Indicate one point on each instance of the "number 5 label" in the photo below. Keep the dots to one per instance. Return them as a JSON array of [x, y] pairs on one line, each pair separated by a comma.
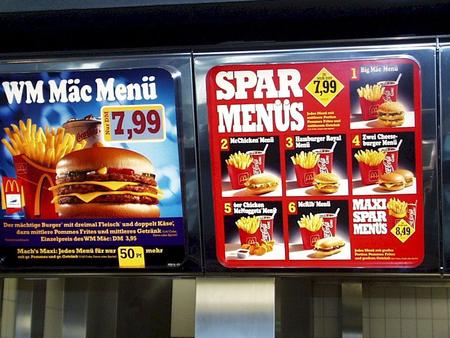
[[134, 123]]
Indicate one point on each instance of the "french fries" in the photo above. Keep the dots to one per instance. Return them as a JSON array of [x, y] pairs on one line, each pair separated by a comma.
[[45, 147], [306, 160], [248, 224], [370, 157], [371, 92], [239, 160], [397, 208], [310, 222]]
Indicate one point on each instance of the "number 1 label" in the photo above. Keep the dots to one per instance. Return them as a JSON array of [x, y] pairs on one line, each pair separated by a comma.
[[134, 123]]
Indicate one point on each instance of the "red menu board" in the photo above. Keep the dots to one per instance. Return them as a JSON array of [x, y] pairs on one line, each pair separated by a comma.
[[318, 164]]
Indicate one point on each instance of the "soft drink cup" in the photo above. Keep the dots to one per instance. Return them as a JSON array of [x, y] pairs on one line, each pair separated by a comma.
[[258, 163], [390, 162], [369, 109], [370, 174], [305, 177], [309, 238], [266, 227], [238, 177], [325, 163], [390, 90], [329, 224], [411, 214], [88, 128]]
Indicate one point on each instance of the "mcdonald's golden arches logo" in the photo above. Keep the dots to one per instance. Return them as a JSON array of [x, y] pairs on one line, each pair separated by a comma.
[[13, 199]]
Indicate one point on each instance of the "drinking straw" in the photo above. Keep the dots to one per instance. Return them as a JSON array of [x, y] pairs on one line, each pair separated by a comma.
[[265, 148], [399, 144], [334, 145], [398, 78]]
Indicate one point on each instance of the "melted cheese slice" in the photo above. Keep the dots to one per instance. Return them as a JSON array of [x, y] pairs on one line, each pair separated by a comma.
[[391, 185], [324, 185], [111, 185], [263, 185], [88, 197]]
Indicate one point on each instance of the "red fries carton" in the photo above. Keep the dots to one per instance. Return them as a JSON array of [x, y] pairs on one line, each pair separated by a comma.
[[36, 181]]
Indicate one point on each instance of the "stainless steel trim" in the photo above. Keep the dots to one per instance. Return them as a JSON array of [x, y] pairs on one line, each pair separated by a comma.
[[24, 309], [294, 307], [75, 308], [38, 308], [102, 308], [9, 304], [54, 297], [183, 308], [234, 308], [351, 309], [402, 44], [143, 307]]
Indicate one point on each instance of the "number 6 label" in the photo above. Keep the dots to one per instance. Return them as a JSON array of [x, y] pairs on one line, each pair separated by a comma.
[[134, 123]]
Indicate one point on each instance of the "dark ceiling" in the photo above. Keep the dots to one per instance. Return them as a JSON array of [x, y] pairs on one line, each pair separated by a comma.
[[198, 24]]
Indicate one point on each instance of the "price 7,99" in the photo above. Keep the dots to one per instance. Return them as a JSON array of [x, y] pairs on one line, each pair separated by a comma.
[[133, 123], [325, 86], [150, 122]]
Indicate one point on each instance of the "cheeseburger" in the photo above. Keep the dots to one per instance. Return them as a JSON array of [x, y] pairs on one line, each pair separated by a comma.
[[105, 182], [262, 183], [326, 182], [391, 114], [407, 175], [392, 182]]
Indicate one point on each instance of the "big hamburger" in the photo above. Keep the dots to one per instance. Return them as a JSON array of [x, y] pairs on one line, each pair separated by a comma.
[[327, 183], [105, 182], [391, 114], [392, 182]]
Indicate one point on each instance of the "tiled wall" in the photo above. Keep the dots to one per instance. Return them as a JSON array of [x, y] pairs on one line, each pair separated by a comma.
[[389, 311], [327, 302], [405, 312]]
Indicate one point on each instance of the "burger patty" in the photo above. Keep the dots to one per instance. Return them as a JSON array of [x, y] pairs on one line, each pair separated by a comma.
[[326, 185], [391, 116], [79, 176], [86, 188], [125, 198]]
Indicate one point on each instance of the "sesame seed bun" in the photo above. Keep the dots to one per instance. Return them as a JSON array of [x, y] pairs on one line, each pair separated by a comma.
[[392, 182], [407, 175], [326, 182], [391, 114], [262, 183]]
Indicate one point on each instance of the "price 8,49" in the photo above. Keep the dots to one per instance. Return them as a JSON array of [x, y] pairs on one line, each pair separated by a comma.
[[134, 123]]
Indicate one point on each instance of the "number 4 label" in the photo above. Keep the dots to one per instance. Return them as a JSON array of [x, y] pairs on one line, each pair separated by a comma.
[[356, 141], [135, 123]]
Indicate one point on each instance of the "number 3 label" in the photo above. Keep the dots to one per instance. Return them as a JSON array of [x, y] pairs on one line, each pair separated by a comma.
[[134, 123]]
